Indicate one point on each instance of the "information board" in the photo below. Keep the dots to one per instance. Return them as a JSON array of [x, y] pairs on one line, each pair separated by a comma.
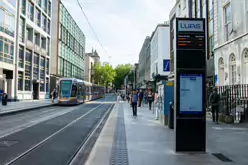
[[191, 41], [191, 93]]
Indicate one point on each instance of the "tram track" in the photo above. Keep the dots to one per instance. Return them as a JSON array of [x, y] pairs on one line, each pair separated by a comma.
[[80, 126]]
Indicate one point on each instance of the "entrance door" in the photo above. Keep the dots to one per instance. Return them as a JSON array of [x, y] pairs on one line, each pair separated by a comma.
[[36, 91]]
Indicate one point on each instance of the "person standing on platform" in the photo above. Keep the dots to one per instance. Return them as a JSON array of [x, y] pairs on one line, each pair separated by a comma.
[[214, 101], [141, 96], [150, 99], [134, 100]]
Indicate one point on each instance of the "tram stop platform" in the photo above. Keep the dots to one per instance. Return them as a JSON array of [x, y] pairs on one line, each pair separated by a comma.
[[142, 140]]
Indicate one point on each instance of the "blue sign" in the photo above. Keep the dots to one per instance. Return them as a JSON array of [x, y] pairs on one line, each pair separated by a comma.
[[166, 67]]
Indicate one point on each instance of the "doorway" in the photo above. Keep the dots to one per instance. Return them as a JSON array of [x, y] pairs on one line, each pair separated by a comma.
[[36, 91]]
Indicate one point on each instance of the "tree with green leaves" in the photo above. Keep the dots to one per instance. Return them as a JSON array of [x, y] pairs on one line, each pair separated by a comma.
[[122, 71], [103, 74]]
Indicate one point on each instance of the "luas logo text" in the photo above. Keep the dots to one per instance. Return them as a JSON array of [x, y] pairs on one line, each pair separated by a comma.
[[190, 26]]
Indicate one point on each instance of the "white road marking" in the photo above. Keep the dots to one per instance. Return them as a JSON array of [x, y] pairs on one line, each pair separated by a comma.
[[49, 137]]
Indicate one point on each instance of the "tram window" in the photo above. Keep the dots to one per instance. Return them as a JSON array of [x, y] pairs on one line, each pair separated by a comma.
[[74, 90]]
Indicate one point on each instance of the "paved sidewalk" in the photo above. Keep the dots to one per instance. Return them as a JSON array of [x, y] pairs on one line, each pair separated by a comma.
[[14, 107], [142, 140]]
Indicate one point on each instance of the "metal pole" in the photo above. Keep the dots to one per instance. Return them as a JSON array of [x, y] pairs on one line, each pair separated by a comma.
[[16, 49], [190, 8], [200, 8], [195, 8], [207, 27]]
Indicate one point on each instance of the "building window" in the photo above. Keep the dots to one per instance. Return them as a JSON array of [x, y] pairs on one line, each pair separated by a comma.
[[44, 5], [47, 86], [48, 26], [49, 9], [23, 6], [233, 70], [48, 46], [43, 22], [28, 64], [37, 39], [42, 74], [36, 67], [6, 50], [20, 81], [29, 34], [30, 13], [227, 13], [22, 28], [47, 66], [21, 57], [37, 17], [38, 2], [43, 43]]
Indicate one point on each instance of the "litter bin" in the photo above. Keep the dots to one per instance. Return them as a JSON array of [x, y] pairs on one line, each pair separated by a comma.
[[171, 116], [4, 99]]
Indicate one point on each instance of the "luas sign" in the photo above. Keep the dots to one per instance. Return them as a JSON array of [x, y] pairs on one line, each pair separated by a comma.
[[190, 25]]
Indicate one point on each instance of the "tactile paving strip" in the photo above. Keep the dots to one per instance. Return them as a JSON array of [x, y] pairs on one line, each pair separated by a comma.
[[119, 155]]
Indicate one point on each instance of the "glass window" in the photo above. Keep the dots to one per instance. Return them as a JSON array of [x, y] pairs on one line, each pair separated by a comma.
[[47, 66], [23, 6], [36, 67], [43, 23], [227, 12], [44, 5], [74, 90], [49, 8], [21, 56], [30, 11], [65, 88], [28, 64], [48, 26], [21, 36], [20, 81], [48, 46], [37, 17], [6, 48], [1, 45], [38, 2]]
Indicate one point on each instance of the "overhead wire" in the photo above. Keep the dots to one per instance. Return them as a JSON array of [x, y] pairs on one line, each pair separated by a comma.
[[92, 29]]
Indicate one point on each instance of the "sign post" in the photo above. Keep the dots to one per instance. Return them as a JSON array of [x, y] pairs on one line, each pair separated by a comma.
[[189, 87]]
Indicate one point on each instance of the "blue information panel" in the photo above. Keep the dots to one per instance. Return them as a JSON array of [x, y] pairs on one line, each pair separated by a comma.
[[191, 94]]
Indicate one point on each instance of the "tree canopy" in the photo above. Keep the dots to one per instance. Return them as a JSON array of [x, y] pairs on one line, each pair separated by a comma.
[[122, 71], [103, 73]]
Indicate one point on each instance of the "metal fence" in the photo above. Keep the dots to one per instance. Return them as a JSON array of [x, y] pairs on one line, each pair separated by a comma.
[[234, 101]]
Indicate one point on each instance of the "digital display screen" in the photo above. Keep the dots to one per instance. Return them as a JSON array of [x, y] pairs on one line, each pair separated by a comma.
[[191, 86], [191, 41]]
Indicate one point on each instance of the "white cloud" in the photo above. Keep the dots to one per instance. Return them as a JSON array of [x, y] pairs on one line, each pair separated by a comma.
[[121, 25]]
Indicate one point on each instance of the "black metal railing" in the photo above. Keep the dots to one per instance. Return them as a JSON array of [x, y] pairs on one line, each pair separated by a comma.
[[234, 101]]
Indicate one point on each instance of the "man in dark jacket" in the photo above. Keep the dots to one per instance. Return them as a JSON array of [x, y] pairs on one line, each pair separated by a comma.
[[214, 101], [134, 100], [141, 96]]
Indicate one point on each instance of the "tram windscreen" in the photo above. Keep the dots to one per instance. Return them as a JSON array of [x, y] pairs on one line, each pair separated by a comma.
[[65, 88]]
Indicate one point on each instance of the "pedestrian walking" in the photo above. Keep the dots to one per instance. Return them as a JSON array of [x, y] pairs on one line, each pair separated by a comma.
[[53, 95], [150, 99], [134, 100], [214, 101], [156, 104], [141, 96]]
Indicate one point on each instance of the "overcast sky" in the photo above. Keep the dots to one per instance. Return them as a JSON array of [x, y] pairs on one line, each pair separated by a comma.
[[121, 25]]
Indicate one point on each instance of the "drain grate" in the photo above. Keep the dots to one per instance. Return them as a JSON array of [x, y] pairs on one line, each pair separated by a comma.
[[119, 155], [7, 143], [222, 157]]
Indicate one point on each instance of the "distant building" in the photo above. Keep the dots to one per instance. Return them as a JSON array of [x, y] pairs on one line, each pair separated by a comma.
[[91, 59], [94, 55], [231, 42], [193, 9], [68, 45], [136, 75], [144, 62], [160, 50], [7, 44], [33, 47]]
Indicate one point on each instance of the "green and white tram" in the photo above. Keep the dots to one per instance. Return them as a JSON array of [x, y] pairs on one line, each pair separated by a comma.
[[74, 91]]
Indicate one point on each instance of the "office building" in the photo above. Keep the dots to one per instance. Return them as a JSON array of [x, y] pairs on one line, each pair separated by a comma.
[[231, 42], [160, 50], [33, 49], [194, 9], [91, 59], [144, 63], [68, 48], [7, 40]]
